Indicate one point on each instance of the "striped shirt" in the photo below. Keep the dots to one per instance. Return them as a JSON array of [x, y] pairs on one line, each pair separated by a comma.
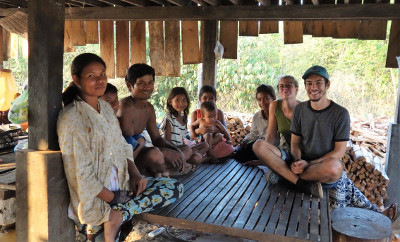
[[178, 131]]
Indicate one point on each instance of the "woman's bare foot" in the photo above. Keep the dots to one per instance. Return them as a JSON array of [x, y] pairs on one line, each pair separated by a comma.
[[111, 228]]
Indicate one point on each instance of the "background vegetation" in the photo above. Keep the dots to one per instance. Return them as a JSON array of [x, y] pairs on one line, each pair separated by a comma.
[[359, 79]]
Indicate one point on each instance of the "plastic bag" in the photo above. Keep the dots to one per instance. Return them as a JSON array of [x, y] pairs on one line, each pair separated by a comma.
[[19, 109], [219, 50]]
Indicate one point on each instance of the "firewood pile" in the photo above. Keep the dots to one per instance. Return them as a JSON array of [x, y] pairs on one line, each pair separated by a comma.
[[237, 129], [364, 160]]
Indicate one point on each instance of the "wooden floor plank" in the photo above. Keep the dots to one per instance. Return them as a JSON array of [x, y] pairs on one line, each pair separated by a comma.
[[265, 197], [285, 214], [295, 215], [229, 197], [224, 207], [192, 185], [304, 218], [233, 215], [204, 191], [314, 226], [206, 204], [251, 204], [325, 220], [230, 188], [267, 210], [273, 221]]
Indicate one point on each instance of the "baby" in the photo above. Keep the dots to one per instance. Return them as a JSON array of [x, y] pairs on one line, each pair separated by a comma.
[[215, 135]]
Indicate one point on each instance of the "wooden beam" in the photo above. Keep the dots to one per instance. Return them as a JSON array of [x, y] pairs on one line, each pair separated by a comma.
[[397, 113], [177, 2], [107, 46], [91, 2], [138, 42], [394, 45], [1, 46], [288, 12], [209, 66], [45, 65], [138, 3], [122, 48]]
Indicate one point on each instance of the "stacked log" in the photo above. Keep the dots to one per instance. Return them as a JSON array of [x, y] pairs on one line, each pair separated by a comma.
[[236, 129], [365, 158]]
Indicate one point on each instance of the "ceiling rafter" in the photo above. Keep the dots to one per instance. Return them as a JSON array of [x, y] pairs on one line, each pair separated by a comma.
[[138, 3], [93, 3], [115, 3], [15, 3]]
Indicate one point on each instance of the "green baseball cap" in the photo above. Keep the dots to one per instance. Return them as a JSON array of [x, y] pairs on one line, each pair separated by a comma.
[[319, 70]]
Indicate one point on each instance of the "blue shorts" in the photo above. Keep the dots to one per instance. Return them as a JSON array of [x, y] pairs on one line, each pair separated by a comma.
[[133, 140]]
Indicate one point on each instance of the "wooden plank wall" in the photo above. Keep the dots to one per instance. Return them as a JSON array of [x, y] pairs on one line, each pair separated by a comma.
[[68, 46], [92, 32], [172, 51], [138, 42], [394, 45], [190, 42], [107, 46], [122, 48], [78, 36], [228, 37], [156, 42]]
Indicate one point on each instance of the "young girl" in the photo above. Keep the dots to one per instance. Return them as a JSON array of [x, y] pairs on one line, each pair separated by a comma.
[[174, 124], [207, 93], [265, 95], [215, 135]]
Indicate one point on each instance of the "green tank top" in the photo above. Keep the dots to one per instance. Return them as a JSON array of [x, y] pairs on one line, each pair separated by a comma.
[[283, 123]]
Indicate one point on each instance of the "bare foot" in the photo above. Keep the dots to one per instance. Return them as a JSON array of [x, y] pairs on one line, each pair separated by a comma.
[[196, 158], [391, 212]]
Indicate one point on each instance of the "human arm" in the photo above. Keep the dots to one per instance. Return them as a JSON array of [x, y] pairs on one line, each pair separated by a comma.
[[253, 134], [272, 136], [221, 117], [224, 131], [192, 129], [136, 180]]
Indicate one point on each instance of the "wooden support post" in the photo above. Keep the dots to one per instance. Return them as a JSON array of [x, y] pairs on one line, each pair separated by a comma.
[[209, 66], [42, 197], [393, 152], [46, 43]]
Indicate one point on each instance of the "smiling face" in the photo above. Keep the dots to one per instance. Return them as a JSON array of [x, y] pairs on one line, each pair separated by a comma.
[[143, 87], [264, 100], [287, 88], [316, 87], [179, 102], [92, 81]]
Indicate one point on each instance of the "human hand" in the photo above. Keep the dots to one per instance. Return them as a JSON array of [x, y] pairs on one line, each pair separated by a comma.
[[174, 159], [298, 166], [138, 184], [120, 196]]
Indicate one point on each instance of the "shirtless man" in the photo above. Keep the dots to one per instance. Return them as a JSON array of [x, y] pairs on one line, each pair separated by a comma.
[[136, 114]]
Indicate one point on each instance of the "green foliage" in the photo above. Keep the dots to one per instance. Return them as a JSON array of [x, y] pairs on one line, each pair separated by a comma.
[[359, 79]]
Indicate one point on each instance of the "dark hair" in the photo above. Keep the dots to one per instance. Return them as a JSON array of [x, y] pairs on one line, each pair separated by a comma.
[[138, 70], [208, 106], [83, 60], [78, 64], [110, 89], [295, 82], [176, 91], [267, 89], [207, 88]]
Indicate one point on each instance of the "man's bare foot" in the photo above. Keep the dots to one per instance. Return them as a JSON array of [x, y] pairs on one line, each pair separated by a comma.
[[196, 158]]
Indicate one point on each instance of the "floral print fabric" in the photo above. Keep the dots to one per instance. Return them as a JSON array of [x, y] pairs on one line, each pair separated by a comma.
[[160, 192]]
